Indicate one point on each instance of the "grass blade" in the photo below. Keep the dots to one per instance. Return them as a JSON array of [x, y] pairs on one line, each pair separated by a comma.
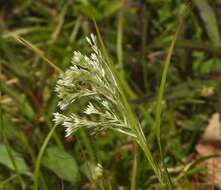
[[163, 85], [158, 116]]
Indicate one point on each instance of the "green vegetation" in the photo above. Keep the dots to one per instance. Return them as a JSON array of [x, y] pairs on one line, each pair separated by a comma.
[[165, 58]]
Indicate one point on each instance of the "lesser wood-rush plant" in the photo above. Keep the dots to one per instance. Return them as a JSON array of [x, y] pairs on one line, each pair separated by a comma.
[[90, 78]]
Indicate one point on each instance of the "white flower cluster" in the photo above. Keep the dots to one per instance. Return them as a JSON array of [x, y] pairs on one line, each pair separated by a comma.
[[90, 78]]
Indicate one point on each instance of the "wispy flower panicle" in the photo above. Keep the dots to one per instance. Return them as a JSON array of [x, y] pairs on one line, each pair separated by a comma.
[[90, 78]]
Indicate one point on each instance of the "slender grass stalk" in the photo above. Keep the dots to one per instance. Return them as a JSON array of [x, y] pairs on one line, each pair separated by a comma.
[[55, 136], [39, 158], [37, 51], [133, 185], [120, 41]]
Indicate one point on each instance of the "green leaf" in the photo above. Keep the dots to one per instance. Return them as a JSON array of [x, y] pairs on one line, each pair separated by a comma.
[[62, 164], [210, 21], [6, 161]]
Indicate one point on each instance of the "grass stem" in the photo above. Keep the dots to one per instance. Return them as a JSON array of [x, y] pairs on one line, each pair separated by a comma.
[[39, 158]]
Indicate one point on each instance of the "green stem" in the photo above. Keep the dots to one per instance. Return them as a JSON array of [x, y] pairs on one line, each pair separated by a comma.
[[39, 158], [120, 41], [134, 170]]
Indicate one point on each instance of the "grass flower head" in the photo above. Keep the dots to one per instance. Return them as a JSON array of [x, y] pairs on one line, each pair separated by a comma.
[[90, 78]]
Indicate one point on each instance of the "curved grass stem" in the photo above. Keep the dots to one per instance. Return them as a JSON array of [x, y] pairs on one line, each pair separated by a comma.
[[39, 158]]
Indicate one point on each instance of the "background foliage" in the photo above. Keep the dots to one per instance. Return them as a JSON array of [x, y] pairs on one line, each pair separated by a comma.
[[137, 35]]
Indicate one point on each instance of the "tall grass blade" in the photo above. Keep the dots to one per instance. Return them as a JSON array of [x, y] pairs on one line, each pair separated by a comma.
[[161, 94]]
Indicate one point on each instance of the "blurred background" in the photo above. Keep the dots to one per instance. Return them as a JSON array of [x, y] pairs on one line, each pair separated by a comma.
[[37, 34]]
